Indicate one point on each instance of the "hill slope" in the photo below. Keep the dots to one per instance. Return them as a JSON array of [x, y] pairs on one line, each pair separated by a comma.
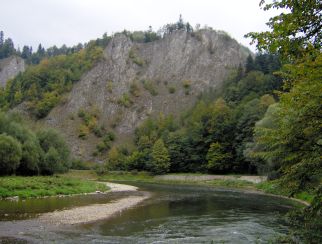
[[136, 80]]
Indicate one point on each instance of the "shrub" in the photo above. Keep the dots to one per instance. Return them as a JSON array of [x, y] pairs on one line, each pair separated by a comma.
[[186, 84], [81, 165], [25, 152], [134, 89], [83, 131], [32, 154], [110, 136], [109, 86], [134, 57], [10, 154], [105, 144], [89, 124], [56, 152], [99, 131], [125, 100], [148, 85], [171, 89], [137, 160]]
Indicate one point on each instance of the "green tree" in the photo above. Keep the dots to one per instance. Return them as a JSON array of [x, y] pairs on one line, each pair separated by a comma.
[[52, 140], [113, 161], [138, 160], [10, 154], [160, 161], [52, 162], [32, 155], [249, 64], [294, 32], [218, 159], [292, 131]]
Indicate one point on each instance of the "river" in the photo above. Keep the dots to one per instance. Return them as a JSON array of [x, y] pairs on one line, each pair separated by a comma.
[[173, 214]]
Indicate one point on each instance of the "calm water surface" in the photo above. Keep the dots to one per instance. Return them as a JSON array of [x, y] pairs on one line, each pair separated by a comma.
[[181, 214]]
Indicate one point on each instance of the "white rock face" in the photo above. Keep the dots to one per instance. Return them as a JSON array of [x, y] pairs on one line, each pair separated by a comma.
[[187, 63], [9, 68]]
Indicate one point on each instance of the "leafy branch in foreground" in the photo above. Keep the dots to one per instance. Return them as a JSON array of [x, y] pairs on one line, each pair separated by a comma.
[[294, 32]]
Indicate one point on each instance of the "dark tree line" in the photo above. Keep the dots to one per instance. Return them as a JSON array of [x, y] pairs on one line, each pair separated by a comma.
[[7, 49], [6, 46]]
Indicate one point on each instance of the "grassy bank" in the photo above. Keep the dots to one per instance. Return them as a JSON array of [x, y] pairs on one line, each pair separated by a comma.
[[274, 187], [39, 186], [145, 177], [269, 187]]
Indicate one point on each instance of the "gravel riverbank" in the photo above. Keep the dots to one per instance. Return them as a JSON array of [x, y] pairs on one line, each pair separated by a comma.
[[95, 212]]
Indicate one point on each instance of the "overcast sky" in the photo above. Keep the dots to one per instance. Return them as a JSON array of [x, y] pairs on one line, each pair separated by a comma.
[[57, 22]]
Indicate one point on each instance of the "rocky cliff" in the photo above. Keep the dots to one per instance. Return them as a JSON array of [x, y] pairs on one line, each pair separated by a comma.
[[138, 80], [9, 68]]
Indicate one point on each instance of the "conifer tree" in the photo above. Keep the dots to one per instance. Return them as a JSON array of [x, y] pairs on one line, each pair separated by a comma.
[[160, 158]]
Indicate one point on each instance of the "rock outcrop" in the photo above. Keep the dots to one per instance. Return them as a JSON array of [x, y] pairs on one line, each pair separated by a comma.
[[9, 68], [138, 80]]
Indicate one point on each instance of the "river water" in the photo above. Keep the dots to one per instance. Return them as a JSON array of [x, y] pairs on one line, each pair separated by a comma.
[[173, 214]]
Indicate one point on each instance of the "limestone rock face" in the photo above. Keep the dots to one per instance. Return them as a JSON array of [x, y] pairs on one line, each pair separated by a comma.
[[138, 80], [9, 68]]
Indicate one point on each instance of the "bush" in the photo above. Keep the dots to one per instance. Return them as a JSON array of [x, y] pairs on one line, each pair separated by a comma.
[[52, 162], [10, 154], [110, 136], [135, 58], [32, 154], [25, 152], [109, 86], [186, 84], [98, 131], [56, 152], [81, 165], [137, 160], [134, 89], [171, 89], [125, 100], [148, 85]]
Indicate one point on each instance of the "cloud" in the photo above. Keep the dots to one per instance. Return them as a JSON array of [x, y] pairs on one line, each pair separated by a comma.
[[57, 22]]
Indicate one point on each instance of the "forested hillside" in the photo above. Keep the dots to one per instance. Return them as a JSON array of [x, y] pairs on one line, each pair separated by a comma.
[[41, 87], [213, 136]]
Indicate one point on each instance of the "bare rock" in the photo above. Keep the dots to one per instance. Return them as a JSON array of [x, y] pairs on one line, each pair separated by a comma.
[[9, 68], [188, 63]]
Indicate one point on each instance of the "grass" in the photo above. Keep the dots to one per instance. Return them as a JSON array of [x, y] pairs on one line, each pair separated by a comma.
[[80, 174], [240, 184], [127, 176], [274, 187], [148, 178], [40, 186]]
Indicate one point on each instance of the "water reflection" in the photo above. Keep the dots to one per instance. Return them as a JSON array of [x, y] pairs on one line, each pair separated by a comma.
[[174, 214], [188, 215]]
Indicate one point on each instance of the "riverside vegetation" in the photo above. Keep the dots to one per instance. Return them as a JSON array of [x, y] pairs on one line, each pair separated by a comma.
[[40, 186], [266, 119]]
